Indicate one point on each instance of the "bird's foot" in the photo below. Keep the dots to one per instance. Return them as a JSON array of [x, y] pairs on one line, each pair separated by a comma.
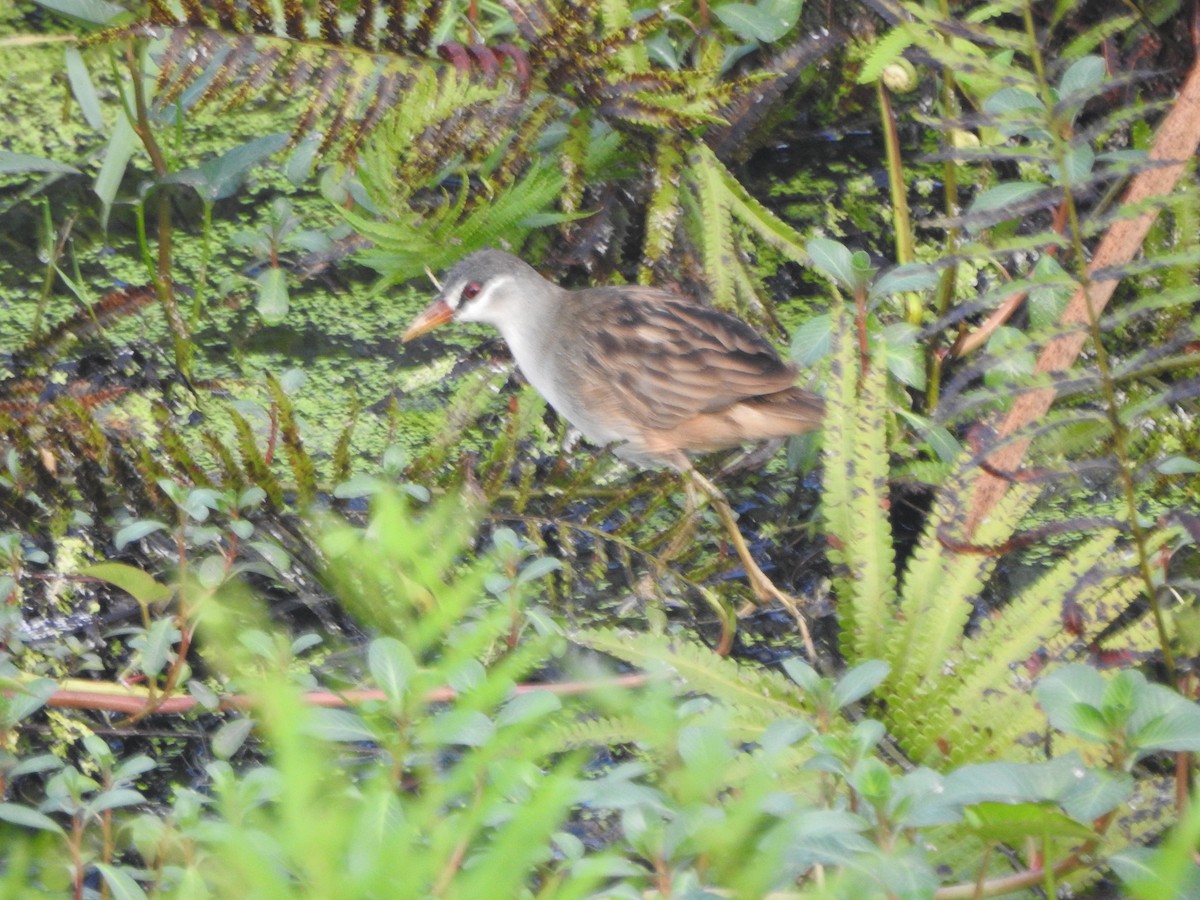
[[766, 591], [764, 588]]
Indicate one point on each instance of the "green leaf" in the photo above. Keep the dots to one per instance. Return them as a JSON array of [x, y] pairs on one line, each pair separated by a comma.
[[99, 751], [527, 707], [1013, 823], [1016, 782], [885, 51], [359, 485], [767, 22], [139, 584], [1119, 700], [463, 727], [220, 178], [275, 555], [828, 836], [812, 341], [392, 665], [133, 767], [230, 737], [901, 279], [1163, 720], [1097, 794], [1078, 162], [1137, 864], [19, 163], [84, 90], [120, 883], [872, 779], [156, 645], [1086, 721], [35, 765], [859, 681], [272, 297], [1013, 357], [1172, 871], [538, 568], [919, 800], [1008, 193], [208, 699], [784, 733], [19, 701], [199, 502], [1072, 699], [905, 357], [113, 799], [305, 642], [339, 725], [867, 734], [705, 751], [833, 260], [944, 444], [1178, 465], [122, 144], [1049, 295], [211, 571], [1012, 100], [1083, 77], [28, 818], [808, 678], [95, 12], [135, 531]]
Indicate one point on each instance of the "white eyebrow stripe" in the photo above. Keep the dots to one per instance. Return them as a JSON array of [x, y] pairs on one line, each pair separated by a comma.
[[489, 288]]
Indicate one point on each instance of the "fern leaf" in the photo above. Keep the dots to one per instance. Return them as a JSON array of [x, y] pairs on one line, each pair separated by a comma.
[[700, 670], [257, 468], [664, 208], [855, 497], [303, 469], [713, 225], [939, 585], [768, 226]]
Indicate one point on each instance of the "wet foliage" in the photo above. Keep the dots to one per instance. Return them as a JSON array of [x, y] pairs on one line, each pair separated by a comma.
[[286, 607]]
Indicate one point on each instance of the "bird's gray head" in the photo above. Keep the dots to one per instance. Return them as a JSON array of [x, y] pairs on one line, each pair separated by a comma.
[[487, 286], [481, 287]]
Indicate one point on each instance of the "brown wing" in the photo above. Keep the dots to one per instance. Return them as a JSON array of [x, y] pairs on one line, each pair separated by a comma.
[[657, 360]]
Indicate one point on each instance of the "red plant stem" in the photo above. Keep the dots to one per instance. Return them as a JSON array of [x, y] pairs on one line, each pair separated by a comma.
[[114, 700], [1174, 146]]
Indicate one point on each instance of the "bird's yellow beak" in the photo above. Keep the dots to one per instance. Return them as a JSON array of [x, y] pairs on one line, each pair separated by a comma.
[[436, 313]]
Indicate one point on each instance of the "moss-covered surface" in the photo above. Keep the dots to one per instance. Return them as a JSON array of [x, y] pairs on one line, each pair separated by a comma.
[[339, 332]]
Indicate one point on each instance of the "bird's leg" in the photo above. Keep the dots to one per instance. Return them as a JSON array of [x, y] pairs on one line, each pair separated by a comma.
[[764, 588], [647, 584], [687, 528]]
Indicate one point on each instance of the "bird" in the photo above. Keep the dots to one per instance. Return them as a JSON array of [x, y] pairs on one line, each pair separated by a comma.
[[644, 369]]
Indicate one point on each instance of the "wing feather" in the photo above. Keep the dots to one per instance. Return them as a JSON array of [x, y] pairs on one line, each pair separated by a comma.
[[655, 360]]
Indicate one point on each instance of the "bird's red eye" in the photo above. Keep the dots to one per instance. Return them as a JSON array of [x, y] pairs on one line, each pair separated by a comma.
[[471, 291]]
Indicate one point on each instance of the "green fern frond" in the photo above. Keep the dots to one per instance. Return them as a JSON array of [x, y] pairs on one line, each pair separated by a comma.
[[715, 230], [990, 665], [726, 222], [856, 496], [768, 226], [231, 472], [699, 669], [177, 450], [599, 731], [257, 468], [939, 585], [407, 244], [442, 111], [304, 472]]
